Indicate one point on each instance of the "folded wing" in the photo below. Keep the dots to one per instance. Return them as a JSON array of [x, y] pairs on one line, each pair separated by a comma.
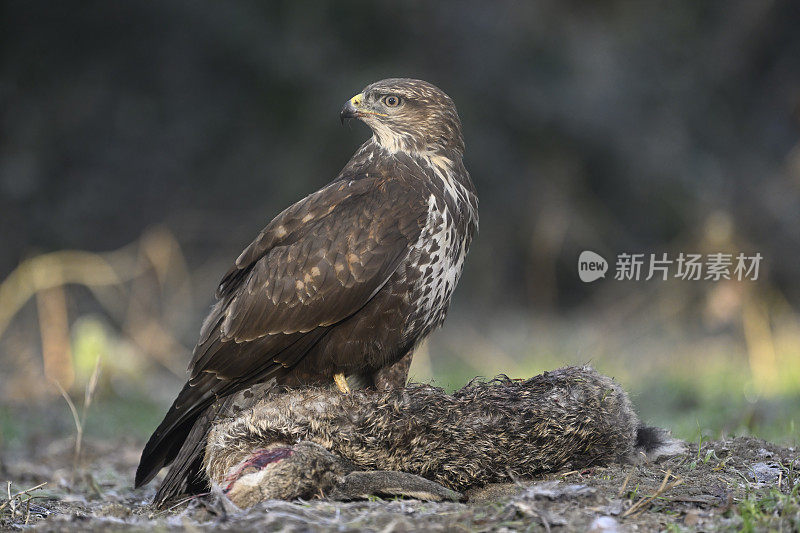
[[317, 263]]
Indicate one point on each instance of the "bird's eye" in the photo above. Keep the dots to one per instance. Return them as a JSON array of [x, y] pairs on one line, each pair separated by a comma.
[[391, 100]]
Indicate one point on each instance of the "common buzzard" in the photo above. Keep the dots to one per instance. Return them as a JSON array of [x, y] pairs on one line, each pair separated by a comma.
[[342, 285]]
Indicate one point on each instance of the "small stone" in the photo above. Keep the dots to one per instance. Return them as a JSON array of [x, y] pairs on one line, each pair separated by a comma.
[[115, 510], [603, 524], [765, 472], [692, 518]]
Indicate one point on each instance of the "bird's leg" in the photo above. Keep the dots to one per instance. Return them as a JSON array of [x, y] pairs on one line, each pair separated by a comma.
[[341, 382], [393, 376]]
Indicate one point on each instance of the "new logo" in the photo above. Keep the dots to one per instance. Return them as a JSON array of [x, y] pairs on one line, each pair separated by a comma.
[[591, 266]]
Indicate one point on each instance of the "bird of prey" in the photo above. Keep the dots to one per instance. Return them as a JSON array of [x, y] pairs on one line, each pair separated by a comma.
[[342, 285]]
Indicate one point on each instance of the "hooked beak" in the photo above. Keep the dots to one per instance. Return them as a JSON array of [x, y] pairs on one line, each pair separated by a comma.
[[351, 108]]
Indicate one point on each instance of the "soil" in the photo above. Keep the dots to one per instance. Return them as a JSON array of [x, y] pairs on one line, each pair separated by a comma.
[[707, 488]]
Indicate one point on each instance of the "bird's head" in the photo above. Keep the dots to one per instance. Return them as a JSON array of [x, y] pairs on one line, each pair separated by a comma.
[[407, 115]]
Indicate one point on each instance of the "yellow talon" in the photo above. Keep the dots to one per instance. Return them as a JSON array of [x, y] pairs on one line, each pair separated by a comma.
[[341, 382]]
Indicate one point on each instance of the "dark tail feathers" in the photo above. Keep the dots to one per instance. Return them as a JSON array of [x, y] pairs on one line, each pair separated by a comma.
[[161, 450]]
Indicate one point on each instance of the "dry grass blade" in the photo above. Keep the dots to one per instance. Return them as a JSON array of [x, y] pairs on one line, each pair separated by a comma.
[[644, 501], [80, 419], [78, 426], [87, 401], [75, 417], [91, 386], [625, 483]]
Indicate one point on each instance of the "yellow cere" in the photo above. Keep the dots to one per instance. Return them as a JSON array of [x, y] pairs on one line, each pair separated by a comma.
[[357, 99]]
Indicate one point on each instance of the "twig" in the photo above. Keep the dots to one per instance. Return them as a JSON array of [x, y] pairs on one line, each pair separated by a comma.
[[18, 494], [644, 501], [181, 502], [545, 523]]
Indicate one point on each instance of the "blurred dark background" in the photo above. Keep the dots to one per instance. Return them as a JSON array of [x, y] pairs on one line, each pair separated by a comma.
[[614, 126]]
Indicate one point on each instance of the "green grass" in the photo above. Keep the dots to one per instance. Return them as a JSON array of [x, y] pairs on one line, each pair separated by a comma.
[[110, 418], [707, 403], [699, 388], [707, 386], [771, 509], [713, 402], [692, 409]]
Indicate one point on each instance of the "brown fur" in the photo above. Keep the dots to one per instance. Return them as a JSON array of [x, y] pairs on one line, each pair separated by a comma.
[[486, 432]]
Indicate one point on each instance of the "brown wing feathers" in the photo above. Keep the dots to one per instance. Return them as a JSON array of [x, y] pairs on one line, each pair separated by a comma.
[[196, 407], [316, 264]]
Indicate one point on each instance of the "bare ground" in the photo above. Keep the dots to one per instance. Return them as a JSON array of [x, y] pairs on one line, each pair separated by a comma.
[[734, 484]]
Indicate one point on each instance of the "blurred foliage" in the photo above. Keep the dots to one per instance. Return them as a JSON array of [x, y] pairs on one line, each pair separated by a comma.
[[698, 385], [615, 126], [183, 127]]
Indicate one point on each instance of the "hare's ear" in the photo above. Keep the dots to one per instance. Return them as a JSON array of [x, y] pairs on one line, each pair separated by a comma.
[[361, 485]]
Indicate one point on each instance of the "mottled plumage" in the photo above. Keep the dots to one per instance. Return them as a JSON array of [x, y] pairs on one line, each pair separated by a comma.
[[309, 441], [346, 281]]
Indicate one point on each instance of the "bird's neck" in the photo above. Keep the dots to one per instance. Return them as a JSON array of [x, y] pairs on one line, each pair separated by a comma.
[[434, 154], [435, 158], [392, 142], [443, 169]]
